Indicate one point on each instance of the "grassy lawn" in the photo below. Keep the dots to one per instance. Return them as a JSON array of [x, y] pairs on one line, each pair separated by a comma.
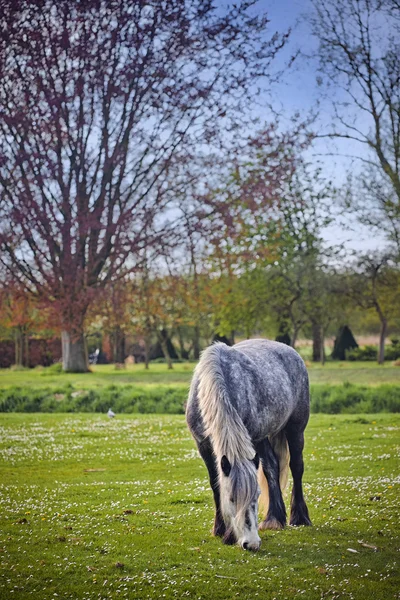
[[99, 508], [364, 373], [332, 372], [101, 375]]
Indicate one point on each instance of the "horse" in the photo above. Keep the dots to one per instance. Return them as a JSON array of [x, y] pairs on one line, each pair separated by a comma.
[[247, 410]]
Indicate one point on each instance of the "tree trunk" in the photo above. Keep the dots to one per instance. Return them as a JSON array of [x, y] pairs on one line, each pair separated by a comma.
[[26, 349], [181, 350], [164, 348], [21, 343], [322, 347], [293, 338], [18, 338], [74, 352], [146, 350], [118, 347], [196, 343], [382, 336], [318, 344]]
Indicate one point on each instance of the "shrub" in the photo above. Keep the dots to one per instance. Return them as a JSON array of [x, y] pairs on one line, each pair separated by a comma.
[[362, 353], [162, 361], [122, 399], [350, 398], [52, 369], [392, 352], [370, 353]]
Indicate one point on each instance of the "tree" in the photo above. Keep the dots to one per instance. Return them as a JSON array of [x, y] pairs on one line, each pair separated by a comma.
[[18, 314], [269, 250], [99, 100], [157, 309], [194, 286], [359, 55], [375, 284], [23, 317], [294, 277], [244, 212], [236, 304], [111, 312], [319, 305]]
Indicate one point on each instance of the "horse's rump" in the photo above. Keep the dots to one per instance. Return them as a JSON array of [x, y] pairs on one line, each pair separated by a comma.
[[249, 391]]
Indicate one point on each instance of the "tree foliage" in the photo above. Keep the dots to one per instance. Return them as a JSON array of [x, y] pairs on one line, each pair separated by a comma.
[[99, 102]]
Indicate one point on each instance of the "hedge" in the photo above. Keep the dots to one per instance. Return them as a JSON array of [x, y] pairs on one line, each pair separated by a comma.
[[122, 399], [370, 353], [331, 399], [352, 398]]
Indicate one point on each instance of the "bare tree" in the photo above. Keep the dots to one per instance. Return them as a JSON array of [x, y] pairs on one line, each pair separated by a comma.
[[359, 55], [98, 99]]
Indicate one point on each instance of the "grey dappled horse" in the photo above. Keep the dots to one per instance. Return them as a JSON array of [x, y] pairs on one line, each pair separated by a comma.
[[247, 410]]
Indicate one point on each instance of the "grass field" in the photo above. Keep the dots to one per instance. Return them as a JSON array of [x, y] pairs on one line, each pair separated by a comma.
[[99, 508], [101, 375]]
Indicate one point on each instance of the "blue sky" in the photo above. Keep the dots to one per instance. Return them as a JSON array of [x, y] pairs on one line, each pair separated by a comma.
[[298, 92]]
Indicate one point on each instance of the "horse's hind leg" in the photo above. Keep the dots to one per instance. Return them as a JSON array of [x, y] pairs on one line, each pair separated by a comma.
[[276, 515], [207, 455], [298, 507]]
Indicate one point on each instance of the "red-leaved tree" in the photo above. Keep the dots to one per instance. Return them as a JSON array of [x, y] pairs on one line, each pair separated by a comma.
[[98, 100]]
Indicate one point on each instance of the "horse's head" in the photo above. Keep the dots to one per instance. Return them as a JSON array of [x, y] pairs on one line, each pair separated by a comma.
[[239, 494]]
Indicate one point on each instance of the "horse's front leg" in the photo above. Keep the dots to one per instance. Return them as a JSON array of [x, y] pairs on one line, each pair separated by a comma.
[[298, 507], [206, 453], [276, 515]]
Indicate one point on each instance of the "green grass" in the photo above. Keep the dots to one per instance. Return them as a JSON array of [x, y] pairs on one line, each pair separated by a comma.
[[353, 372], [100, 376], [158, 374], [99, 508]]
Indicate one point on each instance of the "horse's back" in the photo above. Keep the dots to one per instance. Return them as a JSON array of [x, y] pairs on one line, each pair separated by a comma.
[[267, 384], [277, 364]]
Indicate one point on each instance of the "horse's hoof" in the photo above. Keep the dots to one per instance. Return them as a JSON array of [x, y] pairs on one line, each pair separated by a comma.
[[299, 518], [273, 524], [300, 522]]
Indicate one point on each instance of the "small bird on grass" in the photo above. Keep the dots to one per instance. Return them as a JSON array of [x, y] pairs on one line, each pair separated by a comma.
[[110, 413]]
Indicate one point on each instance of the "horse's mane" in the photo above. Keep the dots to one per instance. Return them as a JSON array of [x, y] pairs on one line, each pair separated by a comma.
[[222, 422]]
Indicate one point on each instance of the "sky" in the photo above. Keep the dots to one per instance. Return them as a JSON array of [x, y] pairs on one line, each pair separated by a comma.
[[298, 91]]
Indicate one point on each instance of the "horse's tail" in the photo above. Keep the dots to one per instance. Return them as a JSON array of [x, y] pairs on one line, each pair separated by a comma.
[[222, 422], [280, 447]]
